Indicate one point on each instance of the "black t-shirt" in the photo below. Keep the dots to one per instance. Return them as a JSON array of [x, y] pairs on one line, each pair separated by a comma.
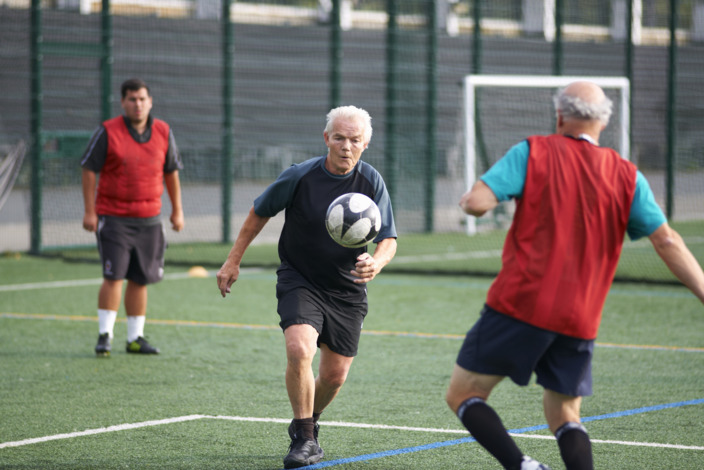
[[308, 254]]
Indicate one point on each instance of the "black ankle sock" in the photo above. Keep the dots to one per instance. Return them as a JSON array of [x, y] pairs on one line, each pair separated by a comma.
[[575, 446], [486, 427], [316, 417], [304, 427]]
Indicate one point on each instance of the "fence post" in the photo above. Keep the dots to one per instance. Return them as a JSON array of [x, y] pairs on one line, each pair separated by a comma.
[[106, 60], [629, 70], [391, 77], [335, 54], [35, 38], [557, 45], [228, 51], [431, 103], [671, 112]]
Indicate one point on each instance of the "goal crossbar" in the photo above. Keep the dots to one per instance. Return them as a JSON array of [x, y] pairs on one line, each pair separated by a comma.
[[471, 82]]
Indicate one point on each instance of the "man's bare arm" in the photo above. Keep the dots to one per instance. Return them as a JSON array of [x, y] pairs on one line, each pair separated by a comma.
[[230, 270], [479, 200], [671, 248]]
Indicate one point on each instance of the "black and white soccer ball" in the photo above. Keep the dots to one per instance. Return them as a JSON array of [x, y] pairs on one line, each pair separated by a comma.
[[353, 220]]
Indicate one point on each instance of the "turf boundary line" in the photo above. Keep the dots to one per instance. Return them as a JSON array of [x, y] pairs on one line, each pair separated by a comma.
[[91, 432], [244, 326], [519, 433], [515, 432]]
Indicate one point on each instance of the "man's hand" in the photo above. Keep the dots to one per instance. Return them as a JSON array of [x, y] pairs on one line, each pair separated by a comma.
[[90, 221], [365, 269], [226, 276], [177, 221]]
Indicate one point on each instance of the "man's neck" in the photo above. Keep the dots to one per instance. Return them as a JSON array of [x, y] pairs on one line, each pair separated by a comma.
[[139, 126], [589, 133]]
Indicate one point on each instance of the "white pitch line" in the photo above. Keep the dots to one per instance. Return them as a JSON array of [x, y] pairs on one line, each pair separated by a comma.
[[623, 443], [342, 424], [97, 281], [90, 432], [180, 419], [50, 284]]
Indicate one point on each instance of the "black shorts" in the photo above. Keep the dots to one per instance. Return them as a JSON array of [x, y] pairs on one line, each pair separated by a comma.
[[500, 345], [338, 322], [131, 249]]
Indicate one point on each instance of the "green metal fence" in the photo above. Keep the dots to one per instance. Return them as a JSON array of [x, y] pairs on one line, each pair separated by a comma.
[[246, 85]]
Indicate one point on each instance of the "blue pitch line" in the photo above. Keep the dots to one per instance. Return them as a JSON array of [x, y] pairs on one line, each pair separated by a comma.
[[465, 440], [646, 409]]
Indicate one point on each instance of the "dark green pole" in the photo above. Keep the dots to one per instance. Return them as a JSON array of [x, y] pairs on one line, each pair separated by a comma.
[[106, 60], [557, 46], [629, 69], [228, 51], [335, 55], [671, 112], [36, 58], [391, 75], [477, 37], [482, 152], [431, 113]]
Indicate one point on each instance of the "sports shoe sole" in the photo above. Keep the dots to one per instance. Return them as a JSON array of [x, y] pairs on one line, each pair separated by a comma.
[[309, 461]]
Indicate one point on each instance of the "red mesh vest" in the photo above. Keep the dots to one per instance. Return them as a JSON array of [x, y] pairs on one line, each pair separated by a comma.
[[563, 247], [132, 178]]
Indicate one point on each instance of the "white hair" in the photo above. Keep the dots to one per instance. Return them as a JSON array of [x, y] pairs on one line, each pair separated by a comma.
[[572, 107], [351, 113]]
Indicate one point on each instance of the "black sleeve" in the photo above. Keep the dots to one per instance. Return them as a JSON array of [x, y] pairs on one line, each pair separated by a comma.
[[94, 157], [173, 156]]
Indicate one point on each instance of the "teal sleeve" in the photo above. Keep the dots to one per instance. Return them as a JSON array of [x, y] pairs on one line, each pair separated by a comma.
[[507, 177], [646, 216]]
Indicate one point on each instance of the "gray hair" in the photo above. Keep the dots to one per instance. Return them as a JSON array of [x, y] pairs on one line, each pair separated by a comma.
[[572, 107], [351, 113]]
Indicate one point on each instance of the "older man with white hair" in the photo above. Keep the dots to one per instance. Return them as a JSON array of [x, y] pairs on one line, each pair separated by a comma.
[[575, 201], [321, 286]]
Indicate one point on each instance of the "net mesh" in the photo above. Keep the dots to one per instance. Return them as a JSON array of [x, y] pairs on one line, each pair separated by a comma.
[[507, 109], [281, 55]]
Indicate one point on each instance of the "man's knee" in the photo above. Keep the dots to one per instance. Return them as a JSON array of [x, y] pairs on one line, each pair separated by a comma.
[[465, 384], [561, 409], [333, 378], [300, 343]]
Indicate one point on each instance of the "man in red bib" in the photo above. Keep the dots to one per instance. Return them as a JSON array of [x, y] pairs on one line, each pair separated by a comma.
[[135, 155], [575, 201]]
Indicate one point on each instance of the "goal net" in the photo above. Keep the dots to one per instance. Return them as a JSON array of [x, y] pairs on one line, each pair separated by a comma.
[[502, 110]]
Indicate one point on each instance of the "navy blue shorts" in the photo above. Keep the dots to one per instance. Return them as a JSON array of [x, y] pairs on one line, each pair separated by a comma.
[[338, 322], [131, 250], [500, 345]]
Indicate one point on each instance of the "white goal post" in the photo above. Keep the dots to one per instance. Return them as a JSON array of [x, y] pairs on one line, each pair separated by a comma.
[[621, 85]]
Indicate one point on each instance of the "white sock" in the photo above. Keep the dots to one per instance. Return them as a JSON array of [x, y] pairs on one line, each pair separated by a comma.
[[106, 321], [135, 327]]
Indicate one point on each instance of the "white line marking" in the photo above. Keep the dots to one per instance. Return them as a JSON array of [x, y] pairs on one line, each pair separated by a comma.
[[623, 443], [50, 285], [90, 432], [99, 280], [180, 419]]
